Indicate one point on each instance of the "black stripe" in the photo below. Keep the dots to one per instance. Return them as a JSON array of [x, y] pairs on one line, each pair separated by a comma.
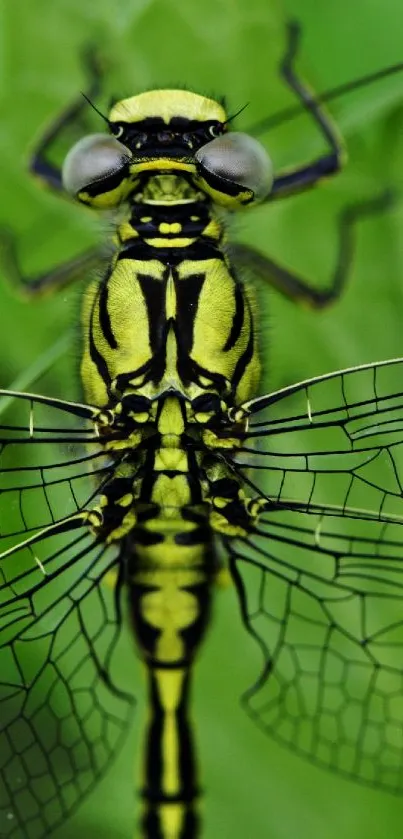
[[187, 294], [190, 373], [148, 479], [151, 369], [151, 822], [195, 516], [153, 292], [193, 478], [146, 538], [197, 251], [95, 355], [104, 319], [193, 219], [154, 763], [225, 186], [171, 213], [154, 757], [244, 360], [199, 536], [108, 184], [238, 319], [178, 124]]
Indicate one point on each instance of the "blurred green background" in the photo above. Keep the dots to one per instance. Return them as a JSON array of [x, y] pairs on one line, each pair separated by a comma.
[[253, 787]]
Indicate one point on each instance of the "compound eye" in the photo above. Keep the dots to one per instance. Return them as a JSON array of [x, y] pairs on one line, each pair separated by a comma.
[[93, 159], [238, 158]]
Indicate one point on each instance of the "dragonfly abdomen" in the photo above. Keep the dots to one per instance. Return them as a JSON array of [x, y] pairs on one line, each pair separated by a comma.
[[170, 603], [170, 569]]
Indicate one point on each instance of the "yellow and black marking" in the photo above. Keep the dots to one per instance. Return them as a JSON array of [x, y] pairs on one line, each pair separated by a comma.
[[154, 349], [164, 370], [170, 367]]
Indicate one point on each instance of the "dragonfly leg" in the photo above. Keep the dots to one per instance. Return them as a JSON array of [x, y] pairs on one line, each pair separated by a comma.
[[40, 164], [297, 288], [50, 281], [303, 177], [50, 174]]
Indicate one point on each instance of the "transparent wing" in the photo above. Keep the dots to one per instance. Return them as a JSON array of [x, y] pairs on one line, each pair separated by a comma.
[[335, 440], [320, 579], [62, 716], [47, 454], [328, 613]]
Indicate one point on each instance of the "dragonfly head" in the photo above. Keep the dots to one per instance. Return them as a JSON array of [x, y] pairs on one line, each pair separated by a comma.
[[168, 131]]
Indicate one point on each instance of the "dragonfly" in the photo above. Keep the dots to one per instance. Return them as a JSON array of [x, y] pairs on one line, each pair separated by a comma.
[[130, 506]]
